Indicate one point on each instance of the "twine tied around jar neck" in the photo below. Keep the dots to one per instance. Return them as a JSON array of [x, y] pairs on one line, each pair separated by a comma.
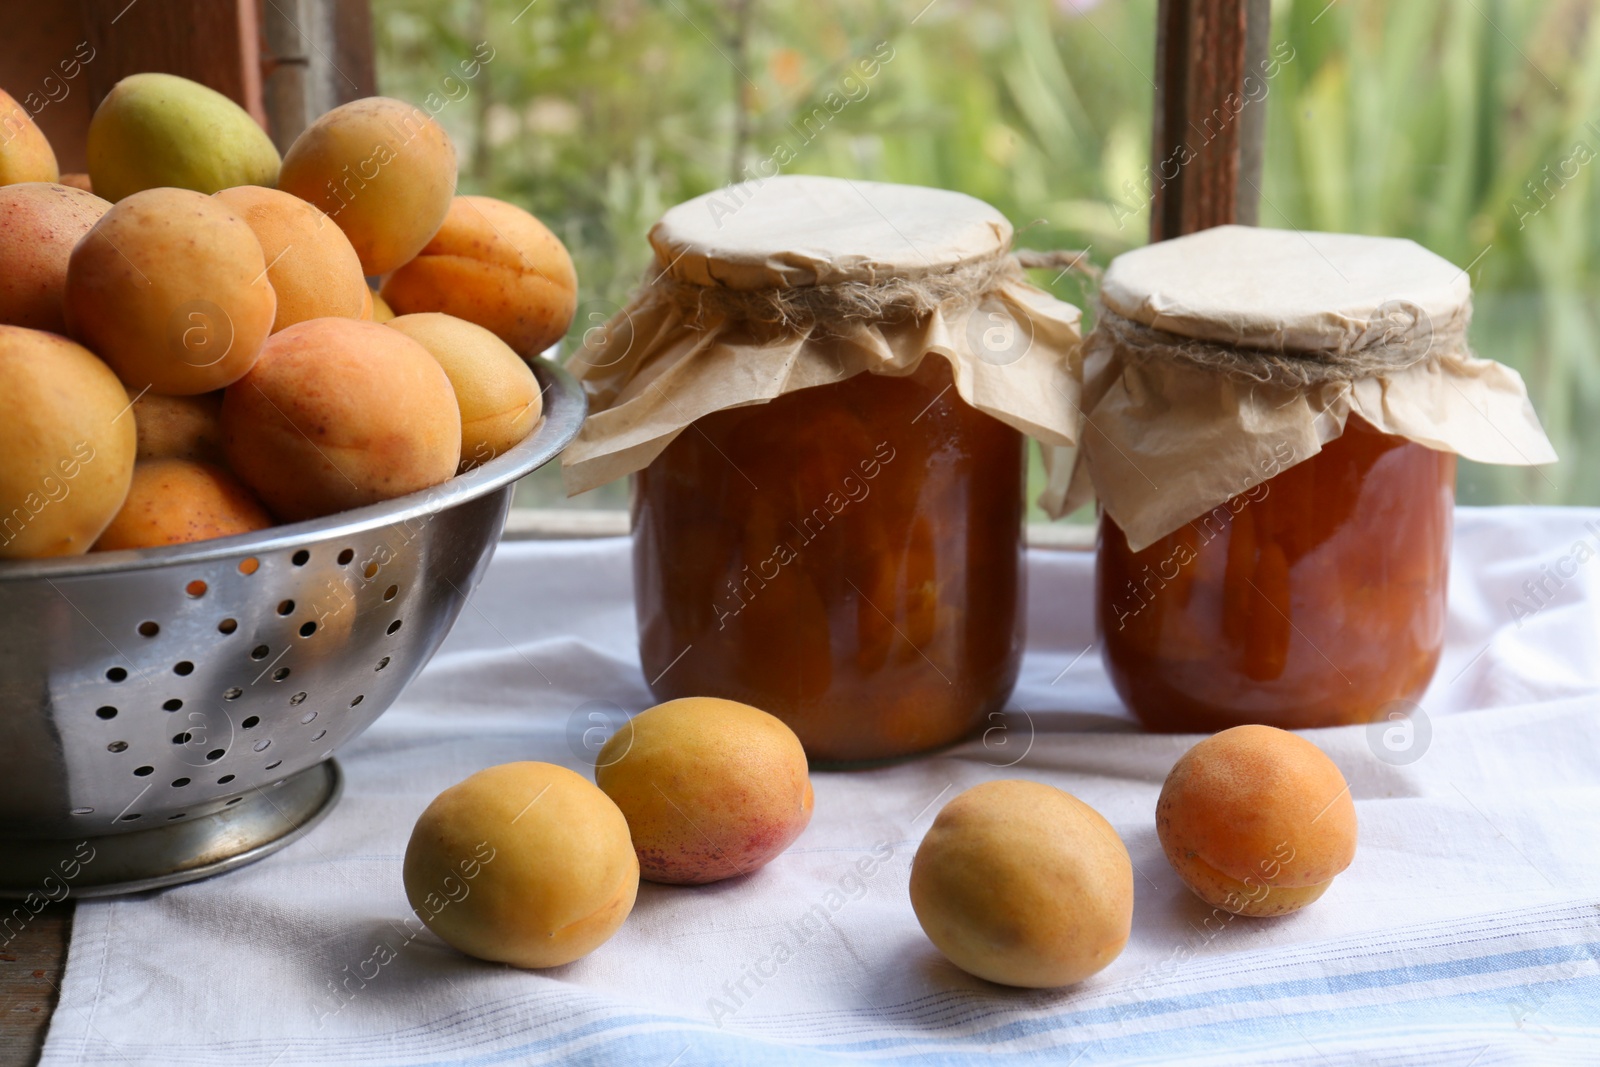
[[801, 282], [895, 298], [1221, 358], [1400, 336]]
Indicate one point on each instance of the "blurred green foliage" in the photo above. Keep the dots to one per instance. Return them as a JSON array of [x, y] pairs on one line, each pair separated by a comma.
[[1471, 126]]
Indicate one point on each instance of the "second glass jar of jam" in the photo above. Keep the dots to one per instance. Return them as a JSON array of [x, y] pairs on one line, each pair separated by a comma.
[[1272, 420], [1315, 599], [847, 557]]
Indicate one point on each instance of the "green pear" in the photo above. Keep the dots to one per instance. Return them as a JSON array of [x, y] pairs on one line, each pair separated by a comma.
[[156, 130]]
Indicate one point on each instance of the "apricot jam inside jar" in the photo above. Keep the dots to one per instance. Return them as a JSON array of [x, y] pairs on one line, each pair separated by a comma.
[[825, 398], [1273, 422], [1315, 599], [869, 592]]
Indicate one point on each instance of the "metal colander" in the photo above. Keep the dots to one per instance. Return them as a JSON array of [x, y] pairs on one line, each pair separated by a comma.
[[169, 713]]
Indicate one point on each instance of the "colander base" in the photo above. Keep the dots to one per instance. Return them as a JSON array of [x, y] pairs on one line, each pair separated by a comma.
[[263, 821]]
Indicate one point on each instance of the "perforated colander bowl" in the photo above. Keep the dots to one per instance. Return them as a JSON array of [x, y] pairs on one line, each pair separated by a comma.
[[169, 713]]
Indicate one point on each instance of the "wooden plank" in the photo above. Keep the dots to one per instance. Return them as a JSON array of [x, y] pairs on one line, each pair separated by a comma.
[[354, 49], [545, 524], [284, 61], [318, 55], [1253, 122], [31, 964], [43, 61], [214, 42], [1201, 118], [63, 58]]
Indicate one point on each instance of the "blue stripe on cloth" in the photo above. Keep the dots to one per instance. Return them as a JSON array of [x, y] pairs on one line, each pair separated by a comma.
[[1546, 1023], [950, 1009], [1457, 968], [1536, 1021], [1551, 1017]]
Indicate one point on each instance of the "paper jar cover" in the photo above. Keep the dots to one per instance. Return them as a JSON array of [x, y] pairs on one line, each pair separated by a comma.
[[1167, 440], [683, 348]]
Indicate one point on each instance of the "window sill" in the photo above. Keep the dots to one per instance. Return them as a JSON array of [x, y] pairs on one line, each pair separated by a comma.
[[546, 524]]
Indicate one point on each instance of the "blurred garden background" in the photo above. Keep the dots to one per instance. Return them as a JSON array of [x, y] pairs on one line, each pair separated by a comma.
[[1471, 126]]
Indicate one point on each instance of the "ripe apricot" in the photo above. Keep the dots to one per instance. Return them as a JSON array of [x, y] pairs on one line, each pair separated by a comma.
[[382, 169], [25, 153], [310, 263], [1256, 820], [339, 413], [496, 265], [40, 222], [496, 391], [524, 863], [381, 311], [175, 501], [1023, 884], [171, 290], [67, 440], [710, 788], [178, 427]]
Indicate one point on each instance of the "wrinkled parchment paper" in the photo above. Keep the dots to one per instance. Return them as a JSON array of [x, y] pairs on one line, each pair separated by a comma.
[[1165, 441], [658, 365]]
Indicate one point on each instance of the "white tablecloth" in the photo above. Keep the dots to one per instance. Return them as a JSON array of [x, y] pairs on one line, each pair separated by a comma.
[[1467, 932]]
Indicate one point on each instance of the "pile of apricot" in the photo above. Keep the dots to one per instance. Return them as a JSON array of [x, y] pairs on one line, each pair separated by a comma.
[[200, 351]]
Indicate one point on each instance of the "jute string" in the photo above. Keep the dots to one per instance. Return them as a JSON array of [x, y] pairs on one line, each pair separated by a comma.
[[1401, 338], [801, 308]]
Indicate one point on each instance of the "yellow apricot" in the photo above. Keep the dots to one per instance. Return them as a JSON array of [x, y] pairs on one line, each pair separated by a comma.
[[310, 263], [338, 413], [1023, 884], [178, 427], [25, 153], [496, 391], [171, 290], [176, 501], [494, 264], [711, 788], [524, 863], [382, 169], [68, 441], [380, 311]]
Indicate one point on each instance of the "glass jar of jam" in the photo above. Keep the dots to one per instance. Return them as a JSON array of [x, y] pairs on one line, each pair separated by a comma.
[[824, 395], [1272, 421], [847, 557], [1315, 599]]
